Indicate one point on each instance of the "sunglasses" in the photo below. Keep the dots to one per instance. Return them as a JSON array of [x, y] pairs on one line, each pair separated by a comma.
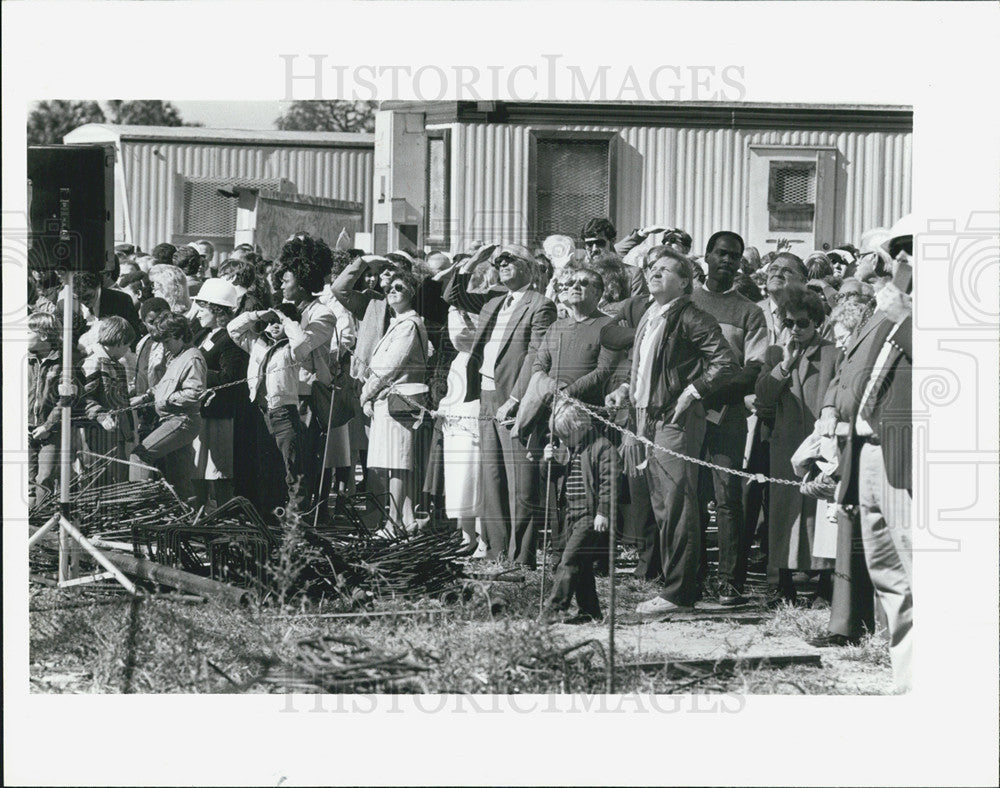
[[506, 258], [802, 322], [598, 242], [580, 282], [398, 287]]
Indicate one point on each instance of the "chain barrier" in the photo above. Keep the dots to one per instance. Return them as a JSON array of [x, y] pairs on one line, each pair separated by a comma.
[[754, 477], [760, 478]]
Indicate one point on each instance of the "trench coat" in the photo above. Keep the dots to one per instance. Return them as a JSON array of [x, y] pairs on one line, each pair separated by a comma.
[[795, 400]]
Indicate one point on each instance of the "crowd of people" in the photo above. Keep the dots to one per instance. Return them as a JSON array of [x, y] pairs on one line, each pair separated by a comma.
[[505, 388]]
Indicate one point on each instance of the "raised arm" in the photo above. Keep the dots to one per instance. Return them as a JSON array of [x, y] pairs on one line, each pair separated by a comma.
[[344, 289]]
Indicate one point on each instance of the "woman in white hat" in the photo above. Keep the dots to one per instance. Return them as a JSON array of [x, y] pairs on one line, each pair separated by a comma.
[[215, 306]]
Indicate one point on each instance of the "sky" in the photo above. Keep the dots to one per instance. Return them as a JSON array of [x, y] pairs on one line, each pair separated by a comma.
[[231, 114]]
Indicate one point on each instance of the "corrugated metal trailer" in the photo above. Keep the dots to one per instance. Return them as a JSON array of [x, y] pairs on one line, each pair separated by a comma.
[[168, 178], [817, 175]]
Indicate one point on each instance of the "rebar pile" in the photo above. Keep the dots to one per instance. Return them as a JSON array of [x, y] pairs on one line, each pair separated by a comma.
[[342, 664], [425, 564], [231, 545]]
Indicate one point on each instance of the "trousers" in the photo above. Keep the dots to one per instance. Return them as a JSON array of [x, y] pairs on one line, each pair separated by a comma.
[[673, 488], [575, 575], [724, 446], [885, 531], [510, 484], [289, 434], [168, 447]]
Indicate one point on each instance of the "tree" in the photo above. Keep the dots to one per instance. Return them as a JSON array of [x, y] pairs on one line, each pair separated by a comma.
[[328, 116], [50, 121], [145, 113]]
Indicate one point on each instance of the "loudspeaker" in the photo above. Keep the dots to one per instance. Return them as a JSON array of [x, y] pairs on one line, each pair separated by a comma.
[[71, 207]]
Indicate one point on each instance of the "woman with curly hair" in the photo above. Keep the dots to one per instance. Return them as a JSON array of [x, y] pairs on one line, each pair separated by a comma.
[[303, 266], [171, 284], [252, 291]]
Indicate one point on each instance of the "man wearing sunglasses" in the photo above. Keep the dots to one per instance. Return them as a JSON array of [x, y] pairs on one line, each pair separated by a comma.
[[598, 237], [511, 328], [680, 358], [743, 326]]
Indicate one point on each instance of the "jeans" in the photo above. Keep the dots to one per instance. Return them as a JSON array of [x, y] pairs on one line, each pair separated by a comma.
[[168, 448], [289, 433]]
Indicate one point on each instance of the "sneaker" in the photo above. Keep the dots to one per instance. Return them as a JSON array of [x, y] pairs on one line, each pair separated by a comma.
[[658, 607], [730, 596]]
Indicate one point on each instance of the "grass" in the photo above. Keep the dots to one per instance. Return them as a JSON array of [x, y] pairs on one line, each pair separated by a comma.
[[485, 642]]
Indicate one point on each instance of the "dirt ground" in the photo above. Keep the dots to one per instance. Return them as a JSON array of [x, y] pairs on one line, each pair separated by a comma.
[[489, 641]]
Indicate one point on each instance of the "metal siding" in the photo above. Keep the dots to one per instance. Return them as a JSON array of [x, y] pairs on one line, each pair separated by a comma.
[[337, 173], [694, 178]]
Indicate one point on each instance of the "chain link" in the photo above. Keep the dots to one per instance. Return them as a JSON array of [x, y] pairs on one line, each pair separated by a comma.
[[760, 478]]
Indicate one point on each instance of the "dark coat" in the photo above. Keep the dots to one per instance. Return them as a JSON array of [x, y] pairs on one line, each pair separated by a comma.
[[891, 408], [693, 351], [598, 463], [795, 400], [848, 385], [226, 362], [115, 302], [532, 315]]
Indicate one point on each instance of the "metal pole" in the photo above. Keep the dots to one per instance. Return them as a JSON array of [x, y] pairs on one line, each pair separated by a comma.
[[548, 484], [612, 539], [65, 394]]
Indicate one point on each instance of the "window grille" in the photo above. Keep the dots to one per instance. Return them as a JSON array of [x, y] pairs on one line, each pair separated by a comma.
[[573, 185], [206, 212], [791, 198]]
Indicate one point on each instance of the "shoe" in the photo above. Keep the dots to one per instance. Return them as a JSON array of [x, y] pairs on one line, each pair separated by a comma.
[[583, 618], [658, 607], [830, 640], [730, 596], [551, 616]]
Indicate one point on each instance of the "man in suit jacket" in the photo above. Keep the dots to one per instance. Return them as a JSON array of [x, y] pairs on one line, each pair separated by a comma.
[[103, 302], [511, 327], [876, 463]]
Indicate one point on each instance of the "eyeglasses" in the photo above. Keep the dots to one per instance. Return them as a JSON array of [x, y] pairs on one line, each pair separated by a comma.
[[580, 282], [506, 258], [802, 322], [600, 243], [398, 287]]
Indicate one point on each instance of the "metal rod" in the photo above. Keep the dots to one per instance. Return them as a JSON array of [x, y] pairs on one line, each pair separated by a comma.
[[96, 554], [67, 426], [184, 581], [612, 544], [53, 520], [548, 484]]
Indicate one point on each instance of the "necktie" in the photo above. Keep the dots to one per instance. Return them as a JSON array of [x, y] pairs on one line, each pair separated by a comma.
[[508, 301]]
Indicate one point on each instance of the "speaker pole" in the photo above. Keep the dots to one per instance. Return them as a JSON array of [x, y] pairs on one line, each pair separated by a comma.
[[66, 566]]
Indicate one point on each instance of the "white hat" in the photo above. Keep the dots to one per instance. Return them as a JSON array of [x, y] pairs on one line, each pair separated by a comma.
[[900, 230], [218, 291]]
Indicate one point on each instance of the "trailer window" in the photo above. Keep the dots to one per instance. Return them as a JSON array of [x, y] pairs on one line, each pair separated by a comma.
[[573, 184], [791, 197]]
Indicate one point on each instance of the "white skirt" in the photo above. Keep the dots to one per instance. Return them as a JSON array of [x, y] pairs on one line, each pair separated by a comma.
[[213, 450], [390, 444], [460, 444]]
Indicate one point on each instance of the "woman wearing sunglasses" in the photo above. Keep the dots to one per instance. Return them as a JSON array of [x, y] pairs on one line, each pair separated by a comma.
[[398, 366], [790, 390]]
